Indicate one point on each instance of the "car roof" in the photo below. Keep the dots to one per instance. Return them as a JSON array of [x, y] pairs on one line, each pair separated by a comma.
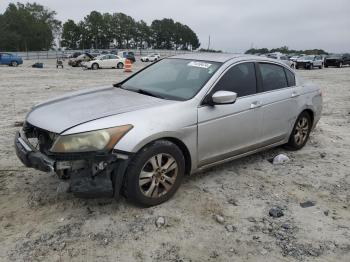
[[223, 57]]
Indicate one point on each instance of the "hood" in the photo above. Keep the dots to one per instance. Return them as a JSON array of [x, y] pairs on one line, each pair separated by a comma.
[[71, 110]]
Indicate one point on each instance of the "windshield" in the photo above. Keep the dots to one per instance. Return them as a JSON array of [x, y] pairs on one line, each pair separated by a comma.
[[174, 79]]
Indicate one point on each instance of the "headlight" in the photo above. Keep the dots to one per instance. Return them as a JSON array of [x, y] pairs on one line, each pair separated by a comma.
[[90, 141]]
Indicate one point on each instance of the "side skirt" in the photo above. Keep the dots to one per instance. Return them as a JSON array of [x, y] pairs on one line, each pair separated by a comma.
[[238, 156]]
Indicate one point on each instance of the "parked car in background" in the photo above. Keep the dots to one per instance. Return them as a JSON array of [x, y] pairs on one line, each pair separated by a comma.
[[281, 57], [127, 55], [75, 55], [309, 62], [10, 59], [105, 61], [178, 116], [150, 58], [337, 60], [294, 58], [74, 62]]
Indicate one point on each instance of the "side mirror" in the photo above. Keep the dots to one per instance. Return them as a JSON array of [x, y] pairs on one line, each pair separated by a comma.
[[223, 97]]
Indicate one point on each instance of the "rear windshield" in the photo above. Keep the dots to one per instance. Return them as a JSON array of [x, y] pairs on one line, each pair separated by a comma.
[[174, 79]]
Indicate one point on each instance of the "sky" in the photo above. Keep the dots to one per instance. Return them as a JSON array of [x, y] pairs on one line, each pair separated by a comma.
[[233, 25]]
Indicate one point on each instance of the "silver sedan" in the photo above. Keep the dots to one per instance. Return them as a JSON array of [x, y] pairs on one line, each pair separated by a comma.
[[177, 116]]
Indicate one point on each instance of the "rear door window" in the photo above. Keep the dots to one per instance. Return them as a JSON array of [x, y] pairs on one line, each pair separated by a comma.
[[240, 79], [290, 77], [273, 76]]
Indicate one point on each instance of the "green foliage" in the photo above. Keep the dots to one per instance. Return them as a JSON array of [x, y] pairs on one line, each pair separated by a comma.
[[27, 27], [210, 50], [99, 30], [31, 26], [286, 50]]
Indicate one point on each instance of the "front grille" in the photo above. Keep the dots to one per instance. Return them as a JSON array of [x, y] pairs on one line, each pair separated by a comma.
[[39, 138]]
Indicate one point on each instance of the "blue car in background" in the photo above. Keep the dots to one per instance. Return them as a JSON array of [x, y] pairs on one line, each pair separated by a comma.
[[10, 59]]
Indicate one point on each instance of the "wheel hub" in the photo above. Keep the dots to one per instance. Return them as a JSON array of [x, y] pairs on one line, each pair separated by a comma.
[[158, 175]]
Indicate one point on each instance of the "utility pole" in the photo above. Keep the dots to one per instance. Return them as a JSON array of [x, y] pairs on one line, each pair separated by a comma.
[[209, 43]]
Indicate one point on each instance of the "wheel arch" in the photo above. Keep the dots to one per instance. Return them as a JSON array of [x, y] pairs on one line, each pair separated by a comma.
[[311, 114], [181, 145]]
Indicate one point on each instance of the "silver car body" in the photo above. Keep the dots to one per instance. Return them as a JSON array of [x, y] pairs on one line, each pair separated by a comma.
[[209, 134]]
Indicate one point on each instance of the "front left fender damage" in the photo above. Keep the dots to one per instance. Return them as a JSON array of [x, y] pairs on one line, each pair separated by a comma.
[[90, 175]]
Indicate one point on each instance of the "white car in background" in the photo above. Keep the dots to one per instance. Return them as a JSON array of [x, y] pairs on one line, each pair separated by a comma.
[[105, 61], [150, 58], [283, 58], [294, 58], [310, 62]]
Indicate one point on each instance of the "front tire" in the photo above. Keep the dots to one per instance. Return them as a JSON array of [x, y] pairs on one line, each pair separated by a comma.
[[311, 66], [155, 173], [120, 65], [14, 64], [300, 132], [340, 64]]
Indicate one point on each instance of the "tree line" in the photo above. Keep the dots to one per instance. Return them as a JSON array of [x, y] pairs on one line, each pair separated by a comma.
[[28, 27], [101, 31], [286, 50], [33, 27]]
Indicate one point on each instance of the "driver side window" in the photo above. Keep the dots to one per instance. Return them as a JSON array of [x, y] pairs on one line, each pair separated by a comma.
[[240, 79]]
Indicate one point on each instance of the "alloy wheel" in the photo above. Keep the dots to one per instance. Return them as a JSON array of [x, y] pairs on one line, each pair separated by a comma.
[[301, 131], [158, 175]]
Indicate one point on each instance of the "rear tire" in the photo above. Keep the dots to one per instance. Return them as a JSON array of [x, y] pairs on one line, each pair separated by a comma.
[[95, 66], [300, 132], [320, 67], [154, 173], [311, 66]]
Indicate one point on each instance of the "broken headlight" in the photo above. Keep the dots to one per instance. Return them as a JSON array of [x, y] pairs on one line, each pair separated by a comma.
[[90, 141]]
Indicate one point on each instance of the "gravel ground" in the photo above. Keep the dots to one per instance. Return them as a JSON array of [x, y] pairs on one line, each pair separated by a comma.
[[218, 215]]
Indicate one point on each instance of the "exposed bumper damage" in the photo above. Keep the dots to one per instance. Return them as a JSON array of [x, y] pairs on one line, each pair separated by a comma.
[[98, 174]]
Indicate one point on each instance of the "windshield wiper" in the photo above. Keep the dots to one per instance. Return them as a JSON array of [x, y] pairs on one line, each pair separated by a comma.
[[148, 93], [118, 85]]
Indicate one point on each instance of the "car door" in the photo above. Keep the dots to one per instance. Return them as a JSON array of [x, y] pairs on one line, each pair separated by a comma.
[[232, 129], [5, 59], [279, 99], [103, 62], [318, 60], [346, 59], [112, 61]]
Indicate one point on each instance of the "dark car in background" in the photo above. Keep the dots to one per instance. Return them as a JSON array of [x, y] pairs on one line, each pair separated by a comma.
[[75, 62], [75, 55], [10, 59], [337, 60]]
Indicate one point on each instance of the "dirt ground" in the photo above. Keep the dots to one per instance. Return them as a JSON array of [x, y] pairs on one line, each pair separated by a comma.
[[39, 223]]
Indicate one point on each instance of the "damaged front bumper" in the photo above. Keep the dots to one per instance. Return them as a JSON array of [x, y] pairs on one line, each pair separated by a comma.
[[91, 175]]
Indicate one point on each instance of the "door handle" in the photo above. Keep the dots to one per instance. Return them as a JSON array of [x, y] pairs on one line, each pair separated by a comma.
[[255, 104], [295, 94]]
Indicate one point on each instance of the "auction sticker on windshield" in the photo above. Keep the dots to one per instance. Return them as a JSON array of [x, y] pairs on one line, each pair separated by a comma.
[[199, 64]]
